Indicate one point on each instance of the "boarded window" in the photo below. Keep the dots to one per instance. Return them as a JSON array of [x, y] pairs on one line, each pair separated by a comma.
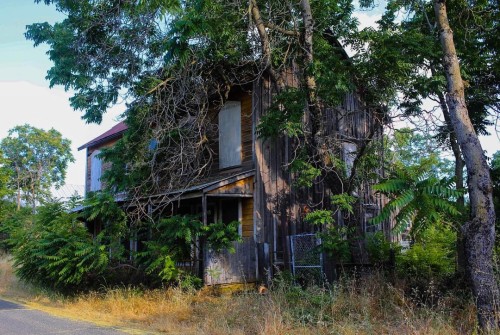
[[230, 134], [95, 171]]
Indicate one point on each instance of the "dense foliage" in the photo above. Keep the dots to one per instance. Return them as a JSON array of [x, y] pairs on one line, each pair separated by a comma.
[[54, 249], [417, 199], [402, 60], [36, 160], [177, 60], [431, 257], [177, 239]]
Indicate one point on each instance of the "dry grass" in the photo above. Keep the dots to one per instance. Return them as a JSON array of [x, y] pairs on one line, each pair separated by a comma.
[[10, 286], [367, 306]]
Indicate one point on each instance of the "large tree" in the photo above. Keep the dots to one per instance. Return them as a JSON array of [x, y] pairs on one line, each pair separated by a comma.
[[405, 66], [175, 60], [479, 231], [37, 160], [421, 60]]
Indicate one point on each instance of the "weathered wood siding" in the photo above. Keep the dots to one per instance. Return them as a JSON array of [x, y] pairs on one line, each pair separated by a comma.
[[279, 207], [275, 202], [224, 267], [241, 187], [246, 131], [247, 217]]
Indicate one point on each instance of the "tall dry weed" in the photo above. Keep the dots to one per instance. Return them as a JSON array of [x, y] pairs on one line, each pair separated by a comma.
[[10, 286], [368, 305]]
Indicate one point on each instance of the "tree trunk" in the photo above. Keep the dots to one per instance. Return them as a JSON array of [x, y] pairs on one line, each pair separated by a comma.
[[266, 45], [479, 231], [455, 148], [315, 110], [18, 189], [18, 198], [459, 183], [316, 142]]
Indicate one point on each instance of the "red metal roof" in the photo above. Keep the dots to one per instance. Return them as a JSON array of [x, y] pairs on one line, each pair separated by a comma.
[[114, 132]]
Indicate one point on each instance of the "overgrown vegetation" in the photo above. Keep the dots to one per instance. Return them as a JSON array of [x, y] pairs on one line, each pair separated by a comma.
[[367, 305], [420, 296], [176, 239], [54, 248], [173, 57]]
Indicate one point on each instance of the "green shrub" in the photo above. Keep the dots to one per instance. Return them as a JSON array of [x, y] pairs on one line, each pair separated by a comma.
[[431, 259], [171, 240], [11, 220], [334, 238], [379, 248], [220, 236], [101, 207], [176, 239], [55, 250]]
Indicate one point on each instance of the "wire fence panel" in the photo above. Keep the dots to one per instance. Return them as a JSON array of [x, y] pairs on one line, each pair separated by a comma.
[[307, 260]]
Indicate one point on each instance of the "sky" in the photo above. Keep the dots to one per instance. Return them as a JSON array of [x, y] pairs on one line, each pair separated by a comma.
[[25, 96]]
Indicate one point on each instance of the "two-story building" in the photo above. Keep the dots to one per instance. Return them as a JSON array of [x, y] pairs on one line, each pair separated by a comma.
[[249, 182]]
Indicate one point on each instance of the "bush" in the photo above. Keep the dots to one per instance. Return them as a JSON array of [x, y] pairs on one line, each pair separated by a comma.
[[334, 238], [379, 249], [11, 220], [174, 240], [430, 260], [101, 207], [55, 250]]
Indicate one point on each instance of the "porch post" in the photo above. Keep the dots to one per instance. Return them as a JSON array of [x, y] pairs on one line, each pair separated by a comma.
[[201, 241]]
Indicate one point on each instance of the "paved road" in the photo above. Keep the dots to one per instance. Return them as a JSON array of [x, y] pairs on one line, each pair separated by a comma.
[[19, 320]]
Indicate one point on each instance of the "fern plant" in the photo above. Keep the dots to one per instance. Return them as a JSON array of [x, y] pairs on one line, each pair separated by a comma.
[[102, 207], [55, 250], [174, 240], [335, 239], [417, 199]]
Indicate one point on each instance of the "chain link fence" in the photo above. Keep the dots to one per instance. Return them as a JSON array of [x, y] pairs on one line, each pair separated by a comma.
[[306, 258]]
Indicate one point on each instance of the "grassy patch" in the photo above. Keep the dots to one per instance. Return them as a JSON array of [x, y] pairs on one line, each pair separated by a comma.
[[353, 306]]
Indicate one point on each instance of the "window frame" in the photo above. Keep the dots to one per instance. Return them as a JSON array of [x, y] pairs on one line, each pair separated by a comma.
[[230, 136]]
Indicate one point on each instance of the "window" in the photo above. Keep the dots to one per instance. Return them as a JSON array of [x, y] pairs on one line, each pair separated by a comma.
[[230, 210], [95, 171], [153, 144], [349, 155], [230, 134]]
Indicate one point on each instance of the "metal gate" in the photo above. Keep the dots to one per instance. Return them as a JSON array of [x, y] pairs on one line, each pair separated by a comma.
[[307, 260]]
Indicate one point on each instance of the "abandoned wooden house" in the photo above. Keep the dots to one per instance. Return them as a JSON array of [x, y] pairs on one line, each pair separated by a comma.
[[249, 183]]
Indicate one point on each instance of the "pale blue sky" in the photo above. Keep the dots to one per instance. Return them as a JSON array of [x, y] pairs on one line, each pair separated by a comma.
[[26, 98], [18, 59], [24, 93]]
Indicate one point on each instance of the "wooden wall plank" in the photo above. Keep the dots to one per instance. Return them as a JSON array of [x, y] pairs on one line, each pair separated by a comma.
[[224, 267]]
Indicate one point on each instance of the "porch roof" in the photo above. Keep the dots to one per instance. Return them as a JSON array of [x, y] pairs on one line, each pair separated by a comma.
[[207, 186]]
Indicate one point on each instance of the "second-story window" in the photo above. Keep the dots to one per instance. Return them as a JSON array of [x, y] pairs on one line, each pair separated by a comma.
[[95, 171], [230, 134]]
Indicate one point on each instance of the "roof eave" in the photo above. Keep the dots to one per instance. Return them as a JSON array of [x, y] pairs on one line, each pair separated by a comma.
[[102, 140]]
